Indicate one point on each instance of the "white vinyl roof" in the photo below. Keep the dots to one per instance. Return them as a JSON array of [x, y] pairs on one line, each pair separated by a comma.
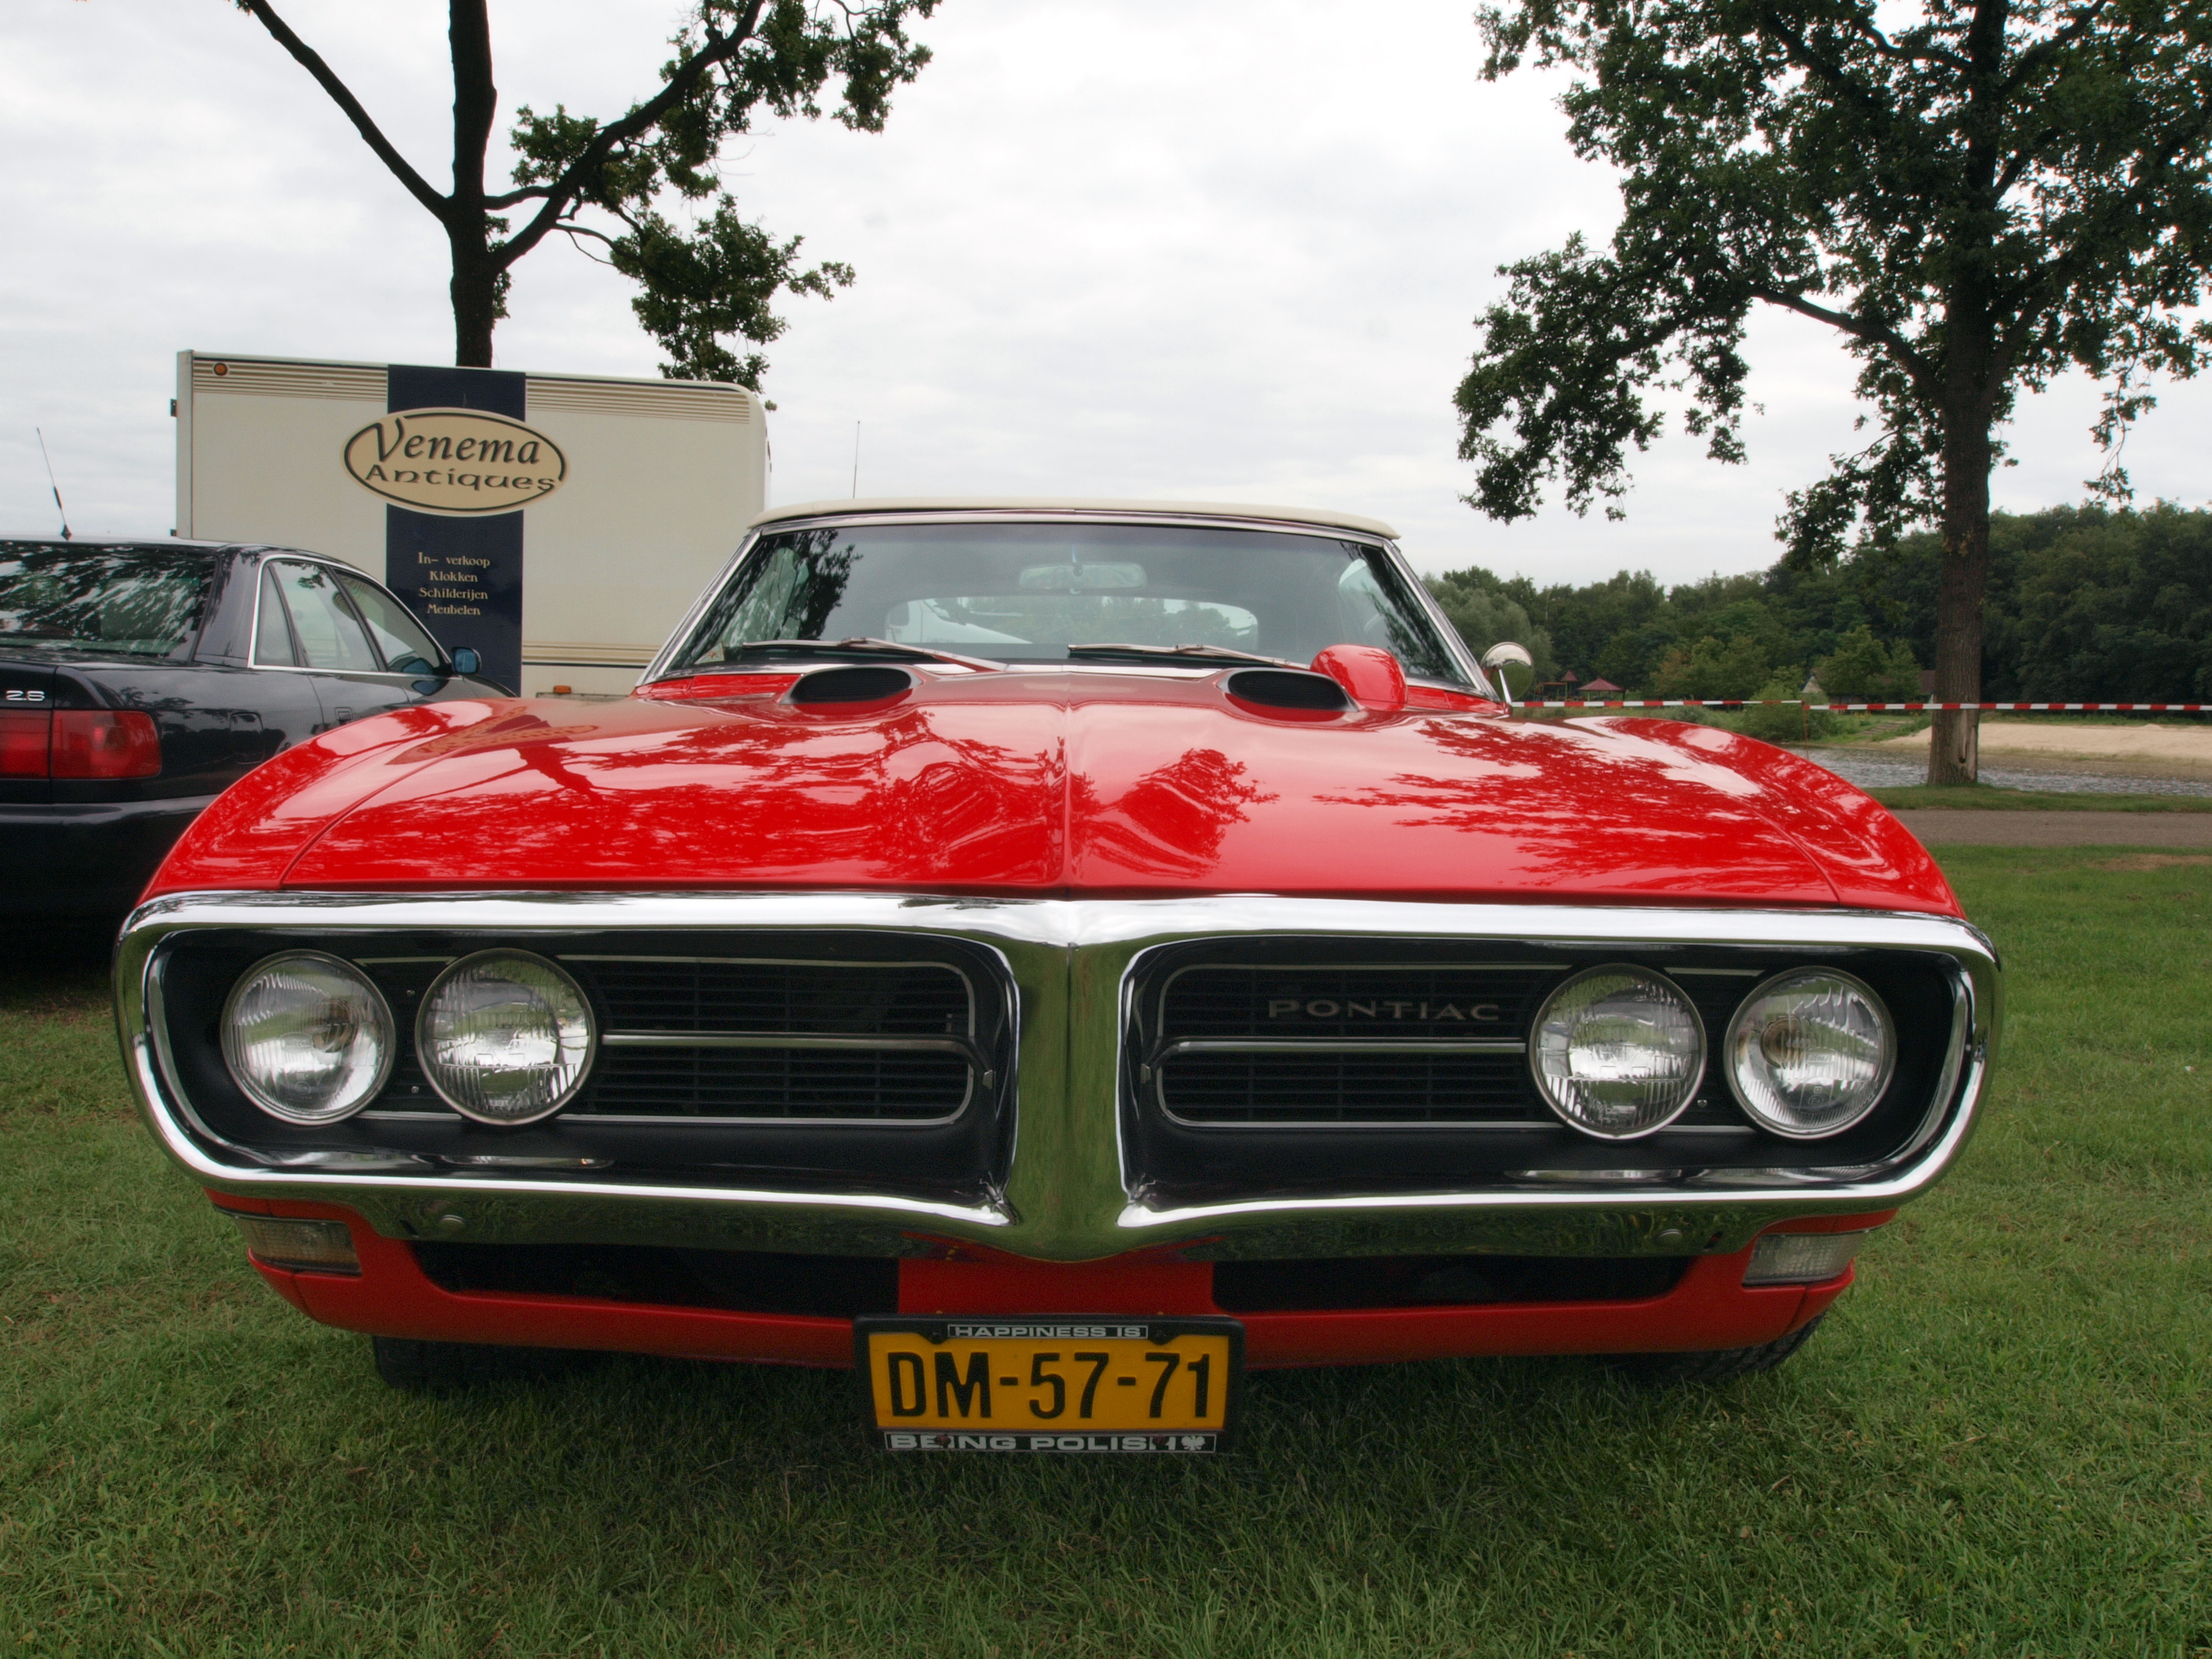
[[1076, 504]]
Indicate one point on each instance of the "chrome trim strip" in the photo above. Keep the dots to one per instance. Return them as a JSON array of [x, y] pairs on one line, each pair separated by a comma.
[[1070, 1192], [959, 1045], [1345, 1045]]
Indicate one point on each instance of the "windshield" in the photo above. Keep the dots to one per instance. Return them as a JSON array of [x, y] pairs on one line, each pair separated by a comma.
[[144, 600], [1024, 592]]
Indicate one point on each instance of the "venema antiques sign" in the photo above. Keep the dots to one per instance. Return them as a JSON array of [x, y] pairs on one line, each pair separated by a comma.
[[457, 462]]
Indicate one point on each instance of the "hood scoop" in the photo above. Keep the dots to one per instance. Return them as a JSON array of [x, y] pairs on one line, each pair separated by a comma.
[[862, 683], [1294, 690]]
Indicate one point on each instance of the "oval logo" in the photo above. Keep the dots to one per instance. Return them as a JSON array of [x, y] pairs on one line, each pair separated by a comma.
[[457, 462]]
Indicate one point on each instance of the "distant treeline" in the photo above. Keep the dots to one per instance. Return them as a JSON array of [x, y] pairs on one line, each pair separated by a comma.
[[2084, 605]]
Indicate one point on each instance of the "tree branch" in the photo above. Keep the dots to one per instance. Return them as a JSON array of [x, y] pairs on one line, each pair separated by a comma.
[[2033, 58], [515, 198], [1881, 334], [1889, 49], [1815, 64], [560, 193], [311, 60]]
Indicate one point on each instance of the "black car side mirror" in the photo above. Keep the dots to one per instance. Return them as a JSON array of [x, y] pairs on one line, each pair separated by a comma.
[[465, 660]]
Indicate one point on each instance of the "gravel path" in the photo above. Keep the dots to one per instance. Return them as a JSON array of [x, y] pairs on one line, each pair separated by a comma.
[[1937, 828]]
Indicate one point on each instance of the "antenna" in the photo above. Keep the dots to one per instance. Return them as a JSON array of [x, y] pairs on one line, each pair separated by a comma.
[[65, 511], [856, 460]]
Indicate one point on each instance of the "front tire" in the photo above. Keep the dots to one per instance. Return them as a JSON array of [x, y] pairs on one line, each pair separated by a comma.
[[1667, 1371]]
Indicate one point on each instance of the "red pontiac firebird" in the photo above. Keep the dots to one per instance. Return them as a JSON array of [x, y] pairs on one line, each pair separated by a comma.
[[1052, 957]]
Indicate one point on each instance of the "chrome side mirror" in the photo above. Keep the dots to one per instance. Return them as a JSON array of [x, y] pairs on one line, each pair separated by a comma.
[[465, 660], [1501, 661]]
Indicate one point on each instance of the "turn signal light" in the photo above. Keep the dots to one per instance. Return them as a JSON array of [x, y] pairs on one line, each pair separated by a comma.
[[319, 1247], [104, 743], [1802, 1258]]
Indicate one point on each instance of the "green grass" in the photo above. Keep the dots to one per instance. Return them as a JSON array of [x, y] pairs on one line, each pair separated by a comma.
[[1988, 798], [1997, 1445]]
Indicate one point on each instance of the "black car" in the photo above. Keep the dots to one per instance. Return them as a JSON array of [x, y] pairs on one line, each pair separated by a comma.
[[139, 679]]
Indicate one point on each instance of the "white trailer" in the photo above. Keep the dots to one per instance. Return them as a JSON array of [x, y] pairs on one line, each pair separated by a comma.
[[560, 525]]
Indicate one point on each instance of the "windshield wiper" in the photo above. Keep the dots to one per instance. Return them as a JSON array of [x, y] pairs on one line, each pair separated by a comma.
[[859, 646], [1171, 652]]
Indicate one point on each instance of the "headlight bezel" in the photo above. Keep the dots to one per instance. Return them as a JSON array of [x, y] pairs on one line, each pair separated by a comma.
[[229, 1041], [1695, 1073], [1885, 1075], [425, 1052]]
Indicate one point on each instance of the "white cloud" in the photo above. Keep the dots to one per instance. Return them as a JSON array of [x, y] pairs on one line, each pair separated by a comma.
[[1105, 247]]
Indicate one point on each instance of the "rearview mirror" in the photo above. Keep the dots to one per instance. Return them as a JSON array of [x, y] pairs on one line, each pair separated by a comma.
[[1080, 578], [1511, 668], [465, 660]]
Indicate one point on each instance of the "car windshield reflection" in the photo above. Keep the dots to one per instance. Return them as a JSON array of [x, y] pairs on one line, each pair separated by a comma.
[[140, 600], [1047, 592]]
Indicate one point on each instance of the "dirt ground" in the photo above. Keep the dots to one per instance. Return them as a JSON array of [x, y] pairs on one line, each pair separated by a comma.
[[2146, 749], [1970, 829]]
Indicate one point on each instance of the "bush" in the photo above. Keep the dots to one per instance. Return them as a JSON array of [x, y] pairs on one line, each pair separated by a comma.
[[1863, 670], [1714, 669], [1784, 723]]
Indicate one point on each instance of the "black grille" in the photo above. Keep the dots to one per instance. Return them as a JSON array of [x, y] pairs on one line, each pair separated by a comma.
[[1418, 1281], [1261, 1043], [884, 1084], [814, 999], [860, 1004], [749, 1282], [1327, 1088]]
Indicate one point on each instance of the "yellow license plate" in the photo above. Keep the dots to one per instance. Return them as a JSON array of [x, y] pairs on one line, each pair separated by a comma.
[[1050, 1384]]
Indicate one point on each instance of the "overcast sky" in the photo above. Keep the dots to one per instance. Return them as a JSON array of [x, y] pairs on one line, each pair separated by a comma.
[[1225, 249]]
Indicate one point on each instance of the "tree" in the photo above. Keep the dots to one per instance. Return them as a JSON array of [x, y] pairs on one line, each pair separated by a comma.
[[1863, 670], [1483, 617], [1716, 668], [1976, 200], [734, 59]]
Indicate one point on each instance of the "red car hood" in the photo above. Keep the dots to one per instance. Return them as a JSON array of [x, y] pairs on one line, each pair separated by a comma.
[[1050, 782]]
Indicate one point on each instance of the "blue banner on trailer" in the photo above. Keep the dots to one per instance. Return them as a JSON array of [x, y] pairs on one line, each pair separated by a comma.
[[463, 575]]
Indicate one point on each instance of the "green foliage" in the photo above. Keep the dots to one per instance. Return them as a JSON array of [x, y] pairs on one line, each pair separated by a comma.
[[718, 281], [1976, 197], [2123, 601], [1861, 669], [1714, 667], [2085, 603], [621, 185], [720, 278], [1784, 723], [1484, 616]]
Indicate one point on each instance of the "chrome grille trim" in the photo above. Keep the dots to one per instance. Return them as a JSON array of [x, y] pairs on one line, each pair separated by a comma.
[[1334, 1046], [1071, 1193]]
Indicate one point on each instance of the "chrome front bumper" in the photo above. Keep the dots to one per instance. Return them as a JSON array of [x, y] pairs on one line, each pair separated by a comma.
[[1070, 1193]]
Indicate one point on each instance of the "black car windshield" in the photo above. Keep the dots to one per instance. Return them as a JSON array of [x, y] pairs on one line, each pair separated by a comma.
[[127, 597], [1025, 593]]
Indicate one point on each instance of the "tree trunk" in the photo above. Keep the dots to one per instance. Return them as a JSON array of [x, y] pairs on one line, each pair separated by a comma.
[[1972, 384], [475, 287], [1955, 745], [475, 290]]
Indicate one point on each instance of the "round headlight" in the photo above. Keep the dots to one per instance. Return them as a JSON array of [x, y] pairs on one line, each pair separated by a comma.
[[1810, 1052], [504, 1037], [1617, 1052], [308, 1038]]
